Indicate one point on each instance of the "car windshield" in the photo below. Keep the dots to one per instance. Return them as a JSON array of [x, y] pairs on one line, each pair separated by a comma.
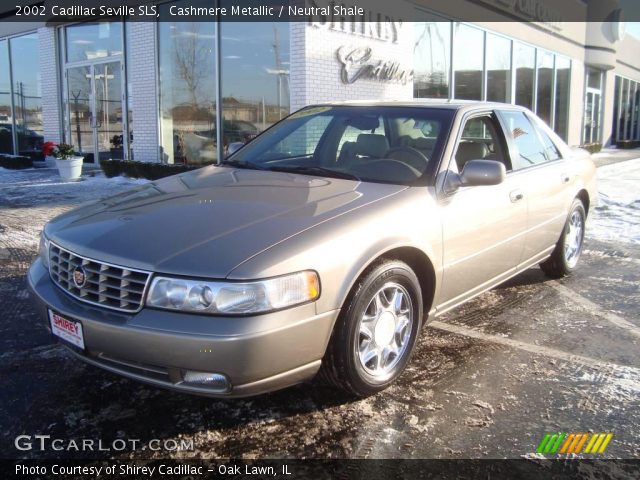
[[397, 145]]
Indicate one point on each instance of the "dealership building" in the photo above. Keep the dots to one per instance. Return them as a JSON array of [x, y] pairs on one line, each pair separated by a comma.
[[181, 90]]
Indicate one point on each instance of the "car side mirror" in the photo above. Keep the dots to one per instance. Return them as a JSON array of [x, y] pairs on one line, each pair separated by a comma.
[[482, 172], [234, 147], [477, 173]]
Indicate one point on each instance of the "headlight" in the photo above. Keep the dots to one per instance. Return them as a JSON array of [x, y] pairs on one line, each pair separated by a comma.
[[43, 250], [233, 298]]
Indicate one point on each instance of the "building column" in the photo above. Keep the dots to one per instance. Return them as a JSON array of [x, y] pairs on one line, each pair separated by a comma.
[[142, 71], [52, 124]]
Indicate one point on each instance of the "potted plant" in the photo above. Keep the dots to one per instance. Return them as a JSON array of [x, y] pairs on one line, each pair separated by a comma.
[[47, 150], [68, 163]]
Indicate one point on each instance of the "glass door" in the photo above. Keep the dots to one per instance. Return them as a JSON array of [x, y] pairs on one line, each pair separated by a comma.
[[108, 125], [80, 110], [592, 117], [95, 110]]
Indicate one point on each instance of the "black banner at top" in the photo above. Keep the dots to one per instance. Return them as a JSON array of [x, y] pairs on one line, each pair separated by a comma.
[[551, 12]]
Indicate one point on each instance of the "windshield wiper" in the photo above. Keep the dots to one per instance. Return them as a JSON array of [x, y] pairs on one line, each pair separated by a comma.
[[314, 170], [242, 164]]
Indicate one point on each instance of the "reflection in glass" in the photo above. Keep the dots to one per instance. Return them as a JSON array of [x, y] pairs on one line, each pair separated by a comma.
[[187, 89], [431, 54], [80, 110], [6, 117], [89, 41], [525, 63], [468, 62], [545, 86], [563, 85], [255, 78], [129, 87], [27, 97], [498, 69], [616, 109], [108, 121], [626, 109]]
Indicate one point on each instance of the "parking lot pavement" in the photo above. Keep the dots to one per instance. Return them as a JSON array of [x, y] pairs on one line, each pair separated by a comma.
[[487, 380]]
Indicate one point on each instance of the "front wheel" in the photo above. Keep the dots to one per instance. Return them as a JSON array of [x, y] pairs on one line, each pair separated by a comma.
[[565, 256], [376, 331]]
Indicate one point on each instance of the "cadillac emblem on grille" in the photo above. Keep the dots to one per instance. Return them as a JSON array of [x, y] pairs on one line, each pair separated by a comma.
[[79, 277]]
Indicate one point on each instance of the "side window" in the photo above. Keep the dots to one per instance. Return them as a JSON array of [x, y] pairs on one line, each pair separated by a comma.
[[531, 150], [480, 140], [549, 147]]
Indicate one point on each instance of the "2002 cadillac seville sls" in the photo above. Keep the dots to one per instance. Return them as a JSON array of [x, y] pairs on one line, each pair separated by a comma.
[[318, 249]]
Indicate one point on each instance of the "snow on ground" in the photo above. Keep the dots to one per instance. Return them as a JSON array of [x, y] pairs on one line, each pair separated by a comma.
[[40, 194], [617, 216], [36, 186]]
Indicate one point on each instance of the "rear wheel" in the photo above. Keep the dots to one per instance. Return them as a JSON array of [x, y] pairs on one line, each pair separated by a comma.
[[565, 256], [376, 331]]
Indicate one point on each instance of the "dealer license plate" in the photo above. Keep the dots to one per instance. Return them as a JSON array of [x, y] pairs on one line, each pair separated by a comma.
[[68, 330]]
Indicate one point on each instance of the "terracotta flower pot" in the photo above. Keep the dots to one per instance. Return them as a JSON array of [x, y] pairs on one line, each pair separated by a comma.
[[70, 168]]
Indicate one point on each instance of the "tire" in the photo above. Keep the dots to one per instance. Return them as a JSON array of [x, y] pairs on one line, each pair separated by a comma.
[[565, 256], [372, 327]]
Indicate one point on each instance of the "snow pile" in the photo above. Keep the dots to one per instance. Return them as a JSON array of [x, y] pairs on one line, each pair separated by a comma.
[[617, 216], [34, 187]]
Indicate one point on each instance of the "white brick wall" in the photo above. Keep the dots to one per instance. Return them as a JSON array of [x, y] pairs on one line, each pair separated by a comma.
[[142, 72], [315, 69], [51, 88]]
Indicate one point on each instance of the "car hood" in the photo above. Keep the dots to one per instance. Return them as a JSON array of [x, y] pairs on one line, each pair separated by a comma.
[[208, 221]]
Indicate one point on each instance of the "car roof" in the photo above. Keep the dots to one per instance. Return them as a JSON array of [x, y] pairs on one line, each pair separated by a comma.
[[424, 102]]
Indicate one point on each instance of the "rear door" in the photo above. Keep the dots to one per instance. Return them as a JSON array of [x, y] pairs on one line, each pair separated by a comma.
[[544, 176], [483, 226]]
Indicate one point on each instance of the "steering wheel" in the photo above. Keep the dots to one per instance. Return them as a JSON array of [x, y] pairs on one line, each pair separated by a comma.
[[410, 156]]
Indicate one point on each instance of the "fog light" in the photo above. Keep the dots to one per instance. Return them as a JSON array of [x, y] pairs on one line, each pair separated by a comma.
[[215, 381]]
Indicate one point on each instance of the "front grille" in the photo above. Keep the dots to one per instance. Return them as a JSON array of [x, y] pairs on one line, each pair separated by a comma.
[[105, 285]]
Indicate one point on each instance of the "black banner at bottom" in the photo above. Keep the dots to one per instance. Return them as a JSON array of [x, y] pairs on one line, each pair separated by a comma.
[[533, 468]]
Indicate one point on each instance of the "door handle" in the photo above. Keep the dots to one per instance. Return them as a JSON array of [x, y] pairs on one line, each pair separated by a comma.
[[516, 196], [564, 178]]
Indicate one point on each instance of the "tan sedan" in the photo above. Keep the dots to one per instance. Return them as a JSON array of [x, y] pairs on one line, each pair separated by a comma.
[[320, 248]]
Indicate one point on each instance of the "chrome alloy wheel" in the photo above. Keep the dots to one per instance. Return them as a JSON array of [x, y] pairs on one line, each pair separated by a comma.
[[573, 239], [385, 330]]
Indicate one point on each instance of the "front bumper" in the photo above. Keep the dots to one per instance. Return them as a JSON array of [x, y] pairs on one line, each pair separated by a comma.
[[256, 354]]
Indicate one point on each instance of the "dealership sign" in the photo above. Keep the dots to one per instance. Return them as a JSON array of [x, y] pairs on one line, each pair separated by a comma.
[[358, 63], [360, 22]]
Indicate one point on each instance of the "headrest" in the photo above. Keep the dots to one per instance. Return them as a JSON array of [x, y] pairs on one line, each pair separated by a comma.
[[372, 145], [471, 151]]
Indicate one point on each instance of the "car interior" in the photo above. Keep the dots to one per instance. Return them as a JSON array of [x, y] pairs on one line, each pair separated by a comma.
[[480, 141], [397, 148]]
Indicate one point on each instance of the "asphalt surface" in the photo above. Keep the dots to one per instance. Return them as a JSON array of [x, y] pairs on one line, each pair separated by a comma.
[[487, 380]]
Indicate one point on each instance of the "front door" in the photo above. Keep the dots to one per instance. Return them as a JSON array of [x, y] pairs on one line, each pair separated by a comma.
[[95, 106], [483, 227]]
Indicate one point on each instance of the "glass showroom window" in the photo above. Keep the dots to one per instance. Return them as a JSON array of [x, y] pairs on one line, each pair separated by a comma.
[[255, 78], [544, 95], [20, 97], [91, 41], [6, 115], [626, 110], [498, 68], [27, 97], [562, 91], [525, 67], [187, 89], [468, 60], [432, 59]]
